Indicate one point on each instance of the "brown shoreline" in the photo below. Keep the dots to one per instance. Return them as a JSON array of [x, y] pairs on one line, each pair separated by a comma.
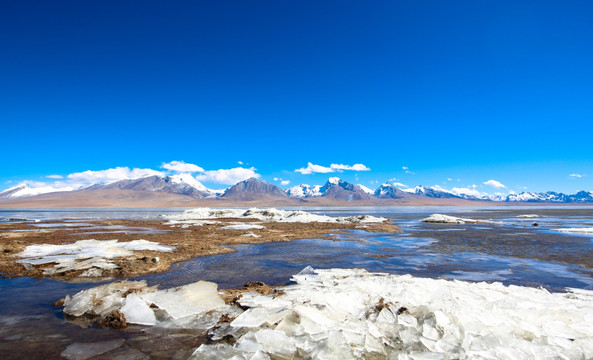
[[193, 241]]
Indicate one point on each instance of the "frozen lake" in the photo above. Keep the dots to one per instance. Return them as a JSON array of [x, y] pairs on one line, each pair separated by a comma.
[[522, 246]]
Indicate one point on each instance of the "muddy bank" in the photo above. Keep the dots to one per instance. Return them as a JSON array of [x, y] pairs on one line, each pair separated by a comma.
[[189, 241]]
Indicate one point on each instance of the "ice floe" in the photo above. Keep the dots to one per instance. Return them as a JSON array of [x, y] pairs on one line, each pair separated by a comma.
[[447, 219], [351, 313], [84, 254], [266, 215], [587, 230]]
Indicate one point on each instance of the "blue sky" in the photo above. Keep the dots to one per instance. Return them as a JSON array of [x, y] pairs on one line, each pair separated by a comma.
[[467, 91]]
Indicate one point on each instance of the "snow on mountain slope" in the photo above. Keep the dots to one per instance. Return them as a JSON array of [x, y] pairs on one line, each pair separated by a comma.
[[338, 189], [188, 179], [24, 190], [365, 189], [304, 191]]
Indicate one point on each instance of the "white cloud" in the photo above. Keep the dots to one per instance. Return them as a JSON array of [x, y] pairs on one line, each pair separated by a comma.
[[240, 162], [182, 167], [407, 170], [398, 184], [313, 168], [494, 183], [355, 167], [471, 191], [449, 179], [576, 175], [228, 176], [54, 177], [110, 175], [282, 181]]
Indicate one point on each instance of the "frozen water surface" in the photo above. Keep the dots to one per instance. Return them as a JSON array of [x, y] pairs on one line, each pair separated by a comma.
[[513, 252], [358, 314]]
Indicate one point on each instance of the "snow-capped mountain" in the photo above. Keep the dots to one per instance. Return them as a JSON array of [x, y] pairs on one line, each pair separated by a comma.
[[335, 189], [12, 192], [304, 191], [182, 184], [387, 191], [338, 189], [24, 190], [432, 192], [551, 196]]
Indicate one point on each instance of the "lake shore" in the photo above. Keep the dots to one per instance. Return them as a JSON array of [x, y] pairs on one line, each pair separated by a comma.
[[188, 241]]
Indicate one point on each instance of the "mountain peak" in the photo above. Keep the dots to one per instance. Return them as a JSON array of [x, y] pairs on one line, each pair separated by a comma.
[[253, 189], [334, 180], [338, 189]]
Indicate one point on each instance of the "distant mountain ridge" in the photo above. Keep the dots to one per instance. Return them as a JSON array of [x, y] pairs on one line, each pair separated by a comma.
[[334, 190], [177, 184], [253, 189], [338, 189]]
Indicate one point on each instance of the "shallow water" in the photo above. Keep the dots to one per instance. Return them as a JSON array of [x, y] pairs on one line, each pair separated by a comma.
[[514, 252]]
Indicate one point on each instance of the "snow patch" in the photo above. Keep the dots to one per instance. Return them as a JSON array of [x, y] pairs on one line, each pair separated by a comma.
[[268, 215], [242, 227], [447, 219], [366, 189]]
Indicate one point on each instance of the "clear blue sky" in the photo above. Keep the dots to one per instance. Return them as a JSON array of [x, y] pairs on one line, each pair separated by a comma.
[[468, 90]]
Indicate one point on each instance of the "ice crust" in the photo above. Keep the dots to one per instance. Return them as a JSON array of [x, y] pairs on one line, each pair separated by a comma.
[[85, 254], [242, 227], [587, 230], [351, 313], [198, 215], [447, 219]]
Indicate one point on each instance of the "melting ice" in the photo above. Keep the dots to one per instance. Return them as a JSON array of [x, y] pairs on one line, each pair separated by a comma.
[[351, 313]]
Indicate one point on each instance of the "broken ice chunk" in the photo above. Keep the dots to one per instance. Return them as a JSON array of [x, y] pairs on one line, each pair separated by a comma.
[[102, 299], [215, 352], [276, 343], [137, 311], [256, 317], [186, 300]]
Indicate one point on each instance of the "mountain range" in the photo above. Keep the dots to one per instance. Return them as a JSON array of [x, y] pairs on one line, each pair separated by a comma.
[[183, 189]]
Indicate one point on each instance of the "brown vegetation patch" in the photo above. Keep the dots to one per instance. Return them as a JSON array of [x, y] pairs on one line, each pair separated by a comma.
[[193, 241]]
